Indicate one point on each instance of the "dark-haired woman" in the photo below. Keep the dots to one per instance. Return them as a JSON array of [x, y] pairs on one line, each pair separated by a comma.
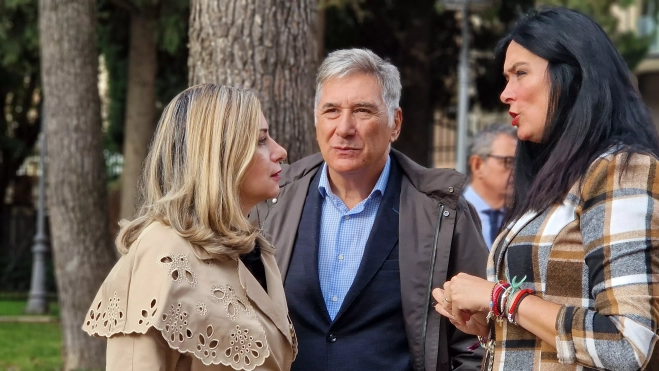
[[573, 278]]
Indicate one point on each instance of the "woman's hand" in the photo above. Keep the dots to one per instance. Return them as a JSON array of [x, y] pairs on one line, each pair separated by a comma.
[[470, 323], [465, 301]]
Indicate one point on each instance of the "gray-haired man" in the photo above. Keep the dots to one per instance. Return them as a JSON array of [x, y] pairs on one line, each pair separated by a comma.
[[363, 234], [491, 160]]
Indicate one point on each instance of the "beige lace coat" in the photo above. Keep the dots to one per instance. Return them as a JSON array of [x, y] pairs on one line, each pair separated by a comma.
[[168, 306]]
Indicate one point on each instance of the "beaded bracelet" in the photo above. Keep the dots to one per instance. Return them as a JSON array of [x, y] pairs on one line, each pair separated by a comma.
[[514, 287], [496, 296], [511, 301], [512, 311], [504, 300], [482, 342]]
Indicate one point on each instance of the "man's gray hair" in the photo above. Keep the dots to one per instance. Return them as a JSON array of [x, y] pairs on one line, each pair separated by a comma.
[[341, 63], [481, 143]]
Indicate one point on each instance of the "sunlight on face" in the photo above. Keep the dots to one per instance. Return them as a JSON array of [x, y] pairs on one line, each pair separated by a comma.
[[526, 92], [352, 125], [262, 178]]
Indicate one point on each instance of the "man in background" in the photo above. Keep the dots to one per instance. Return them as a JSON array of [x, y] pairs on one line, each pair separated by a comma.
[[491, 160]]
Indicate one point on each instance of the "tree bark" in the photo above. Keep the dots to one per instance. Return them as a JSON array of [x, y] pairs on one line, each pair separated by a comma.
[[267, 46], [140, 103], [76, 170]]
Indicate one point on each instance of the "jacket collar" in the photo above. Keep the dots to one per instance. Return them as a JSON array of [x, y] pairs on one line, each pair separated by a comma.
[[272, 303], [443, 185]]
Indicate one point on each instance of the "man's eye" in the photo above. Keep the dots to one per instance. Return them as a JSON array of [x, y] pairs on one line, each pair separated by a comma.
[[331, 112]]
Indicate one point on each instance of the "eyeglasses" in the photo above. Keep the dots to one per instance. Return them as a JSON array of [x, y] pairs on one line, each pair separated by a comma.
[[508, 161]]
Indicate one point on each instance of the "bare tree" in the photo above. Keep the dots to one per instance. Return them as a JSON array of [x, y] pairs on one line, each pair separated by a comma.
[[76, 169], [268, 46]]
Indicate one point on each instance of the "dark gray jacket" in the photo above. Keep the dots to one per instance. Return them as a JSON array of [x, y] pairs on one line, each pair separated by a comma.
[[439, 236]]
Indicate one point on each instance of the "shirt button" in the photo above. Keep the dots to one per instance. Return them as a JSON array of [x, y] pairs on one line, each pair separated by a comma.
[[331, 338], [347, 217], [334, 298], [340, 256]]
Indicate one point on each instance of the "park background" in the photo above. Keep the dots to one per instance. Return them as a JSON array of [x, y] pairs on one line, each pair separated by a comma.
[[83, 82]]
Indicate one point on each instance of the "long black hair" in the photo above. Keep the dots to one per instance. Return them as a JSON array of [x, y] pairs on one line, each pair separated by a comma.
[[593, 105]]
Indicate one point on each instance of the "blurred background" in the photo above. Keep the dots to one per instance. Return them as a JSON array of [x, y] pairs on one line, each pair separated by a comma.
[[149, 50]]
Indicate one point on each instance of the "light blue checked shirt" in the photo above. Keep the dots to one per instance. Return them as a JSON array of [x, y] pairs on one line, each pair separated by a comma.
[[343, 237]]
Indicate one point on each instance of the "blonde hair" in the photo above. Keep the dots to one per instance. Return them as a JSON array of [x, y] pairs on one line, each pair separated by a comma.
[[202, 147]]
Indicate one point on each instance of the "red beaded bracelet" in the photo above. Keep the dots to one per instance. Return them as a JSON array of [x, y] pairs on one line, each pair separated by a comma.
[[512, 310], [496, 297]]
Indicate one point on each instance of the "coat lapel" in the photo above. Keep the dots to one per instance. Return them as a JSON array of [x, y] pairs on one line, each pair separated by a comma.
[[272, 303], [284, 239], [381, 241], [504, 239], [313, 206]]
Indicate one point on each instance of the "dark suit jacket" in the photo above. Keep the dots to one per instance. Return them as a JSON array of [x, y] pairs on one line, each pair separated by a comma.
[[439, 236]]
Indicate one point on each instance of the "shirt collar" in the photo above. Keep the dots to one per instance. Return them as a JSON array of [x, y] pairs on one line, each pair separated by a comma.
[[479, 204], [380, 186]]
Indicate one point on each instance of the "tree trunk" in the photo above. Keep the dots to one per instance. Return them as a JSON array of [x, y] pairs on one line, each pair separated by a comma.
[[267, 46], [76, 171], [140, 103], [416, 101]]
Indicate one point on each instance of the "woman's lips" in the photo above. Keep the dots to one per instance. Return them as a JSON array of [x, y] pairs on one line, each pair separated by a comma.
[[515, 117]]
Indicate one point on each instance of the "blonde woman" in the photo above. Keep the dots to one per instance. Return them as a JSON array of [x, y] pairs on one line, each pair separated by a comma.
[[197, 288]]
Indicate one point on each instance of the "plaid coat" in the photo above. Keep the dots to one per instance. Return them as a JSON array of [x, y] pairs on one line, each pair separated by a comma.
[[597, 254]]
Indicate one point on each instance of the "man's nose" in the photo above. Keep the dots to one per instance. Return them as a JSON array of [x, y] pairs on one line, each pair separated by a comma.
[[346, 125]]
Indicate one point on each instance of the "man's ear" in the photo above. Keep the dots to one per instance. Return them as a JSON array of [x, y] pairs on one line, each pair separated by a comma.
[[475, 164], [398, 121]]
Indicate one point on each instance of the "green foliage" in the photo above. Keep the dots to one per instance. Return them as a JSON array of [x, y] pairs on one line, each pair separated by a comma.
[[173, 26], [19, 85], [113, 44], [16, 271], [19, 41], [351, 23], [30, 346], [632, 47], [172, 37]]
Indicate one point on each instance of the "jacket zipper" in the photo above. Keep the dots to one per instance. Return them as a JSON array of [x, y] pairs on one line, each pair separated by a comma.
[[424, 328]]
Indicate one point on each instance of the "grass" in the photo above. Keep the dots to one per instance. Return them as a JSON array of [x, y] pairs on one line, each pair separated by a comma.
[[17, 307], [30, 346]]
